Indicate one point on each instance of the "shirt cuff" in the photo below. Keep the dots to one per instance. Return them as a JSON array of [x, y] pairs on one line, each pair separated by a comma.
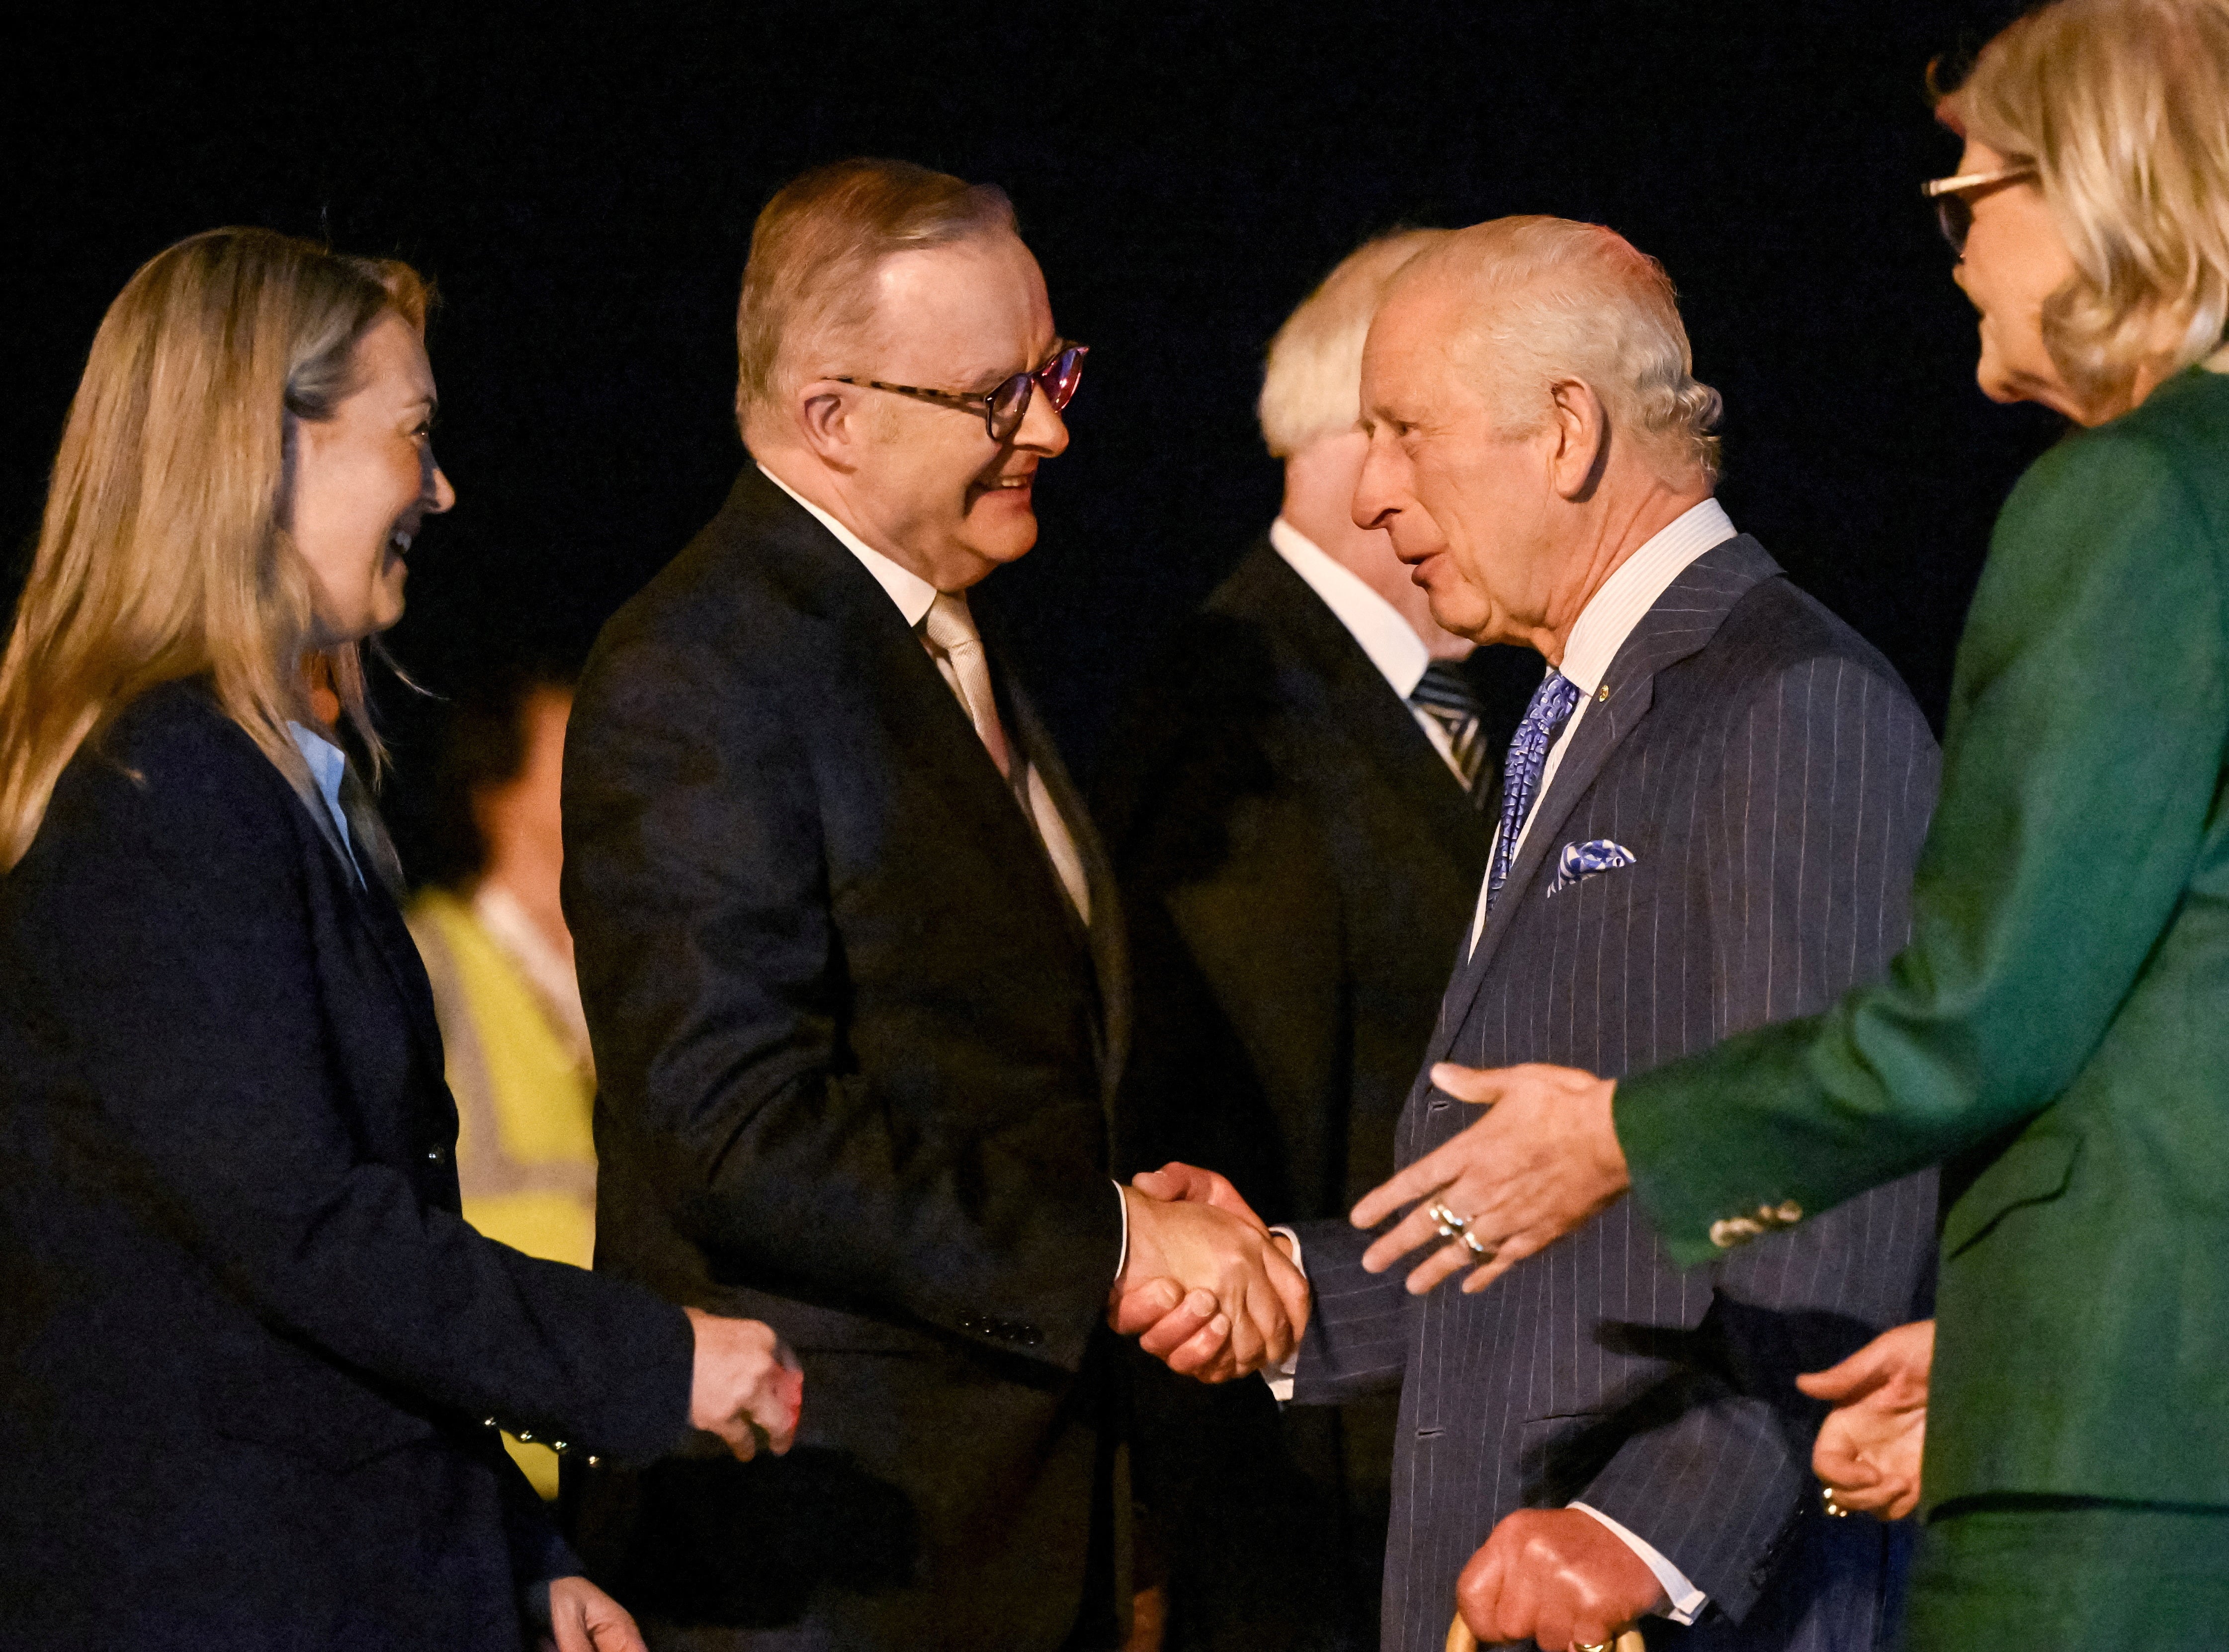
[[1122, 1261], [1687, 1601], [1280, 1378]]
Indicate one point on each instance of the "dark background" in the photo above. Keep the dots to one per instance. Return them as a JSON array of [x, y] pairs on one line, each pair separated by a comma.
[[581, 182]]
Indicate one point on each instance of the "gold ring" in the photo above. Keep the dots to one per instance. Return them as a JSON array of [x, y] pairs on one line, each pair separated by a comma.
[[1450, 1223], [1591, 1646], [1827, 1502], [1477, 1246]]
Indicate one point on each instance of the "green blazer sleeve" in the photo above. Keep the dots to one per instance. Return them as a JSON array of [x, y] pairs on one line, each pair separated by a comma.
[[2083, 768]]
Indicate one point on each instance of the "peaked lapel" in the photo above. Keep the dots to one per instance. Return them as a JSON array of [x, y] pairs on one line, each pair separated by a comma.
[[1682, 621]]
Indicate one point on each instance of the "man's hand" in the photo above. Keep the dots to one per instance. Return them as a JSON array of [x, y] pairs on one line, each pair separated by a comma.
[[1558, 1577], [1188, 1332], [748, 1388], [1205, 1288], [1871, 1443], [583, 1619], [1542, 1161]]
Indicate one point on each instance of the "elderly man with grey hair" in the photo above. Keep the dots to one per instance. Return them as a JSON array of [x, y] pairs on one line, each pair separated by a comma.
[[1708, 821]]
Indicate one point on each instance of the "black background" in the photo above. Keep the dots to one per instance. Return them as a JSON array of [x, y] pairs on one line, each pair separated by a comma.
[[581, 182]]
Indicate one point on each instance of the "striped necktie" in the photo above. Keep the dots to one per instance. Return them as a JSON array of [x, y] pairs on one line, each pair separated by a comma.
[[1520, 776], [1444, 695]]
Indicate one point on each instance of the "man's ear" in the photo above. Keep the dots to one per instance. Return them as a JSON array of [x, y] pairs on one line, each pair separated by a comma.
[[827, 417], [1582, 426]]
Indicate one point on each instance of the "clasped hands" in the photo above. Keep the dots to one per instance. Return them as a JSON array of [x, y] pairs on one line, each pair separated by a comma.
[[1206, 1288]]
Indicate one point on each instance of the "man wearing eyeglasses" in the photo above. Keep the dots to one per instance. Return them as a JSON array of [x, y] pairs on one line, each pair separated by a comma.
[[851, 954]]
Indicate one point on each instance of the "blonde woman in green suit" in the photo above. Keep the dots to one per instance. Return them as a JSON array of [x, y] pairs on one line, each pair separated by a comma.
[[2056, 1033]]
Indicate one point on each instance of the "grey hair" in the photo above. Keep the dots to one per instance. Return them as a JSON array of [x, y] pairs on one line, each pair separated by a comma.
[[1312, 377], [1548, 298]]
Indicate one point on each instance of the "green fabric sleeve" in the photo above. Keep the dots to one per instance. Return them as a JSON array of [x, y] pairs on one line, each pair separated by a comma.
[[2084, 751]]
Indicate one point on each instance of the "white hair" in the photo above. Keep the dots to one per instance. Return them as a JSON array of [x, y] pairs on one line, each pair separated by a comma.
[[1311, 380]]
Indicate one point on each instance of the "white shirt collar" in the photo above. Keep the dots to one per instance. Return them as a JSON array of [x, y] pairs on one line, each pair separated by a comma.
[[1375, 624], [913, 595], [1613, 611]]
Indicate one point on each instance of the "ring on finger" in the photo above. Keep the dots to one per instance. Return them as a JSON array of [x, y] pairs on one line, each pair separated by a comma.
[[1450, 1223], [1827, 1502], [1477, 1246]]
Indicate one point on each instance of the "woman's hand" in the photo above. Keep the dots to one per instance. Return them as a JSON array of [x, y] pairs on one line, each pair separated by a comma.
[[748, 1388], [583, 1619], [1869, 1447]]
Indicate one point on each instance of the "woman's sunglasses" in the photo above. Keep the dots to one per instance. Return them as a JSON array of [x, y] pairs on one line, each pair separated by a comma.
[[1004, 408]]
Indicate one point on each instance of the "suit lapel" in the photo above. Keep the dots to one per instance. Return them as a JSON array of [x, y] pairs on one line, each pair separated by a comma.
[[1372, 720], [1682, 621], [879, 655]]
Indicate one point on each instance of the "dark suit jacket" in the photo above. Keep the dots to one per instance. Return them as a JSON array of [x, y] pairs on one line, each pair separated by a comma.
[[855, 1051], [1296, 863], [1773, 779], [246, 1343]]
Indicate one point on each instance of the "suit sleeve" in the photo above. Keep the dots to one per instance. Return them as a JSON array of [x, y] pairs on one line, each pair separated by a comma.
[[2084, 760], [185, 986], [714, 965], [1357, 1341], [1827, 781]]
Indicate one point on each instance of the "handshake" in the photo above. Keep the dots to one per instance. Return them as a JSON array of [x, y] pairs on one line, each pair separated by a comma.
[[1205, 1287]]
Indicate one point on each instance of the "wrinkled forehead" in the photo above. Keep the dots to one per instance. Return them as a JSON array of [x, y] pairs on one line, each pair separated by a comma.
[[960, 313]]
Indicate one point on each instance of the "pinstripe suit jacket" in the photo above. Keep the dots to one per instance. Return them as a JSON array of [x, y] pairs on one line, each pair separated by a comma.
[[1773, 779]]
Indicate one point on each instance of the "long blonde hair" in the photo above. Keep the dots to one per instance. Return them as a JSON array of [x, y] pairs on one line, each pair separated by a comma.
[[164, 553], [2122, 106]]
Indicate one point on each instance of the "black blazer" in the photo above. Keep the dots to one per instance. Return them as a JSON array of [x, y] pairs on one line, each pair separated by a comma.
[[1773, 780], [855, 1051], [248, 1346]]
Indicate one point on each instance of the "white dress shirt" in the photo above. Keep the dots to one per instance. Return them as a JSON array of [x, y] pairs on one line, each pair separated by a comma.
[[914, 596], [1601, 629], [1375, 624]]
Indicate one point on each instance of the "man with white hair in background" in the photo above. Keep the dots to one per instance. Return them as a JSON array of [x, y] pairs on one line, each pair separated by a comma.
[[1708, 821], [1293, 802]]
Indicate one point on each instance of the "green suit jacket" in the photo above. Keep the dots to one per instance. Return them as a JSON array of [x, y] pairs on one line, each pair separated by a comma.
[[2058, 1031]]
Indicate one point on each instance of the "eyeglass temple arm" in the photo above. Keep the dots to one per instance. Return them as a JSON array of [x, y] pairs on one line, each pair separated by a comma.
[[1934, 186]]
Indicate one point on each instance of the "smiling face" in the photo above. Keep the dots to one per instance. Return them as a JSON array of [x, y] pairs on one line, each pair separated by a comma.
[[364, 481], [925, 483], [1467, 505]]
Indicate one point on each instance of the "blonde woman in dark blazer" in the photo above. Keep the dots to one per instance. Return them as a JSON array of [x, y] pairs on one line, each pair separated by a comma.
[[251, 1358]]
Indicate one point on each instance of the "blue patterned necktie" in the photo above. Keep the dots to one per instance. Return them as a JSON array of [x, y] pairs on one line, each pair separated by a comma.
[[1520, 776]]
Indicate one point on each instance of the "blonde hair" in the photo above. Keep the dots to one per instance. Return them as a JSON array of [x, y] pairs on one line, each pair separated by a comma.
[[1312, 378], [1548, 298], [2122, 107], [818, 242], [164, 553]]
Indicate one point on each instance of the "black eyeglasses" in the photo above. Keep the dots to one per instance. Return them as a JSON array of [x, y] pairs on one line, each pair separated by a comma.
[[1004, 408], [1954, 200]]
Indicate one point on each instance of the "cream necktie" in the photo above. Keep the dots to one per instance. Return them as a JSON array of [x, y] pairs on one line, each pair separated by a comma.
[[953, 638]]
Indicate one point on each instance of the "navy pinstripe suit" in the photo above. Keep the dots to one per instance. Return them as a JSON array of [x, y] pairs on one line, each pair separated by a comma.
[[1773, 780]]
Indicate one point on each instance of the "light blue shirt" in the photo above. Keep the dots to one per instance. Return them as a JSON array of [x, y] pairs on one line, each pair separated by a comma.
[[328, 767]]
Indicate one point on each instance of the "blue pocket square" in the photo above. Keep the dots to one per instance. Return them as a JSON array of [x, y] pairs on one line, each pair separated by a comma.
[[1580, 860]]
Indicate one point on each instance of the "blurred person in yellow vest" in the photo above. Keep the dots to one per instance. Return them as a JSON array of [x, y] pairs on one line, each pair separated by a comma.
[[500, 959]]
